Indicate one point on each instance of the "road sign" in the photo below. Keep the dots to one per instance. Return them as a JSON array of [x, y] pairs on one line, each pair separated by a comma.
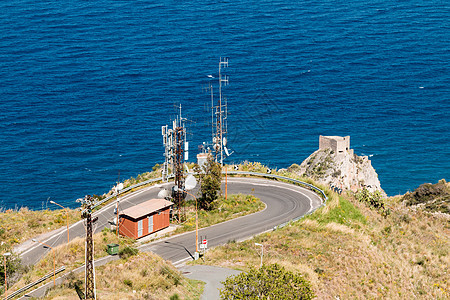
[[204, 244]]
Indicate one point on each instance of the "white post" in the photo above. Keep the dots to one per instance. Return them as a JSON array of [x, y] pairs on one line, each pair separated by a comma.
[[262, 252]]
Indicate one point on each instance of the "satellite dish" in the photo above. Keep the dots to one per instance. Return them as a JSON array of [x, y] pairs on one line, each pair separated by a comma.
[[163, 194], [190, 183], [228, 152], [224, 141], [118, 187]]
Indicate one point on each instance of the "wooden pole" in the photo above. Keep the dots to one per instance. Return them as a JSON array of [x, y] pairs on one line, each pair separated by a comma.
[[67, 215], [117, 218], [226, 183], [6, 285]]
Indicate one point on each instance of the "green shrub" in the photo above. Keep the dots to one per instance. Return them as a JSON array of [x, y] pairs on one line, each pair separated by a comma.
[[373, 200], [268, 282], [127, 252], [435, 197], [128, 282], [12, 266]]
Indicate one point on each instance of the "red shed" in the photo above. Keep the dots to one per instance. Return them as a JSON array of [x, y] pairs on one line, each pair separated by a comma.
[[145, 218]]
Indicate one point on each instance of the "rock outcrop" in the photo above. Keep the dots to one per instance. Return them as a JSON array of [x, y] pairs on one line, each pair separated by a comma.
[[336, 165]]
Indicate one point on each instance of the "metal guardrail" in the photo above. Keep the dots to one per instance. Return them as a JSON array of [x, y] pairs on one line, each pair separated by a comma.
[[129, 189], [232, 172], [21, 290], [325, 198], [283, 178]]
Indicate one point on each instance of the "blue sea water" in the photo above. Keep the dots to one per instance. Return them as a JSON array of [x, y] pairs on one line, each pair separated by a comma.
[[85, 87]]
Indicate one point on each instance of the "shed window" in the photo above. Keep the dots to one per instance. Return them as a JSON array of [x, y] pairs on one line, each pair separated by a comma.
[[140, 227], [150, 224]]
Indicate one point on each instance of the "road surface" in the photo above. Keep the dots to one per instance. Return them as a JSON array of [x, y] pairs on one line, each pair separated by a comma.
[[284, 202]]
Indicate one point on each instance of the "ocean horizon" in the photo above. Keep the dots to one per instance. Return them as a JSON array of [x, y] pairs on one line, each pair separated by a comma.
[[85, 88]]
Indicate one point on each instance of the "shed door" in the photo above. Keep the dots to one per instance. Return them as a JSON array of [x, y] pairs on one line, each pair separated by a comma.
[[150, 224], [140, 227]]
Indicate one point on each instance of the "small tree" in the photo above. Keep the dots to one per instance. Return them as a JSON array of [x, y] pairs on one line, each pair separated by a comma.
[[268, 282], [210, 176], [373, 200]]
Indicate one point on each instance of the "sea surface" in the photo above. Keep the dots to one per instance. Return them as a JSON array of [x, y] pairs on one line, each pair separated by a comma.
[[85, 87]]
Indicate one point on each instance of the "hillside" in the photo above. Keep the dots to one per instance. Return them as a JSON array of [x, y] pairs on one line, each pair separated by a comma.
[[432, 197], [348, 250]]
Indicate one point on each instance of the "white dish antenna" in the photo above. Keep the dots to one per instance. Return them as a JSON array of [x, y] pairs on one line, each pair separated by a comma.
[[118, 187], [163, 194], [227, 152], [224, 141], [190, 183]]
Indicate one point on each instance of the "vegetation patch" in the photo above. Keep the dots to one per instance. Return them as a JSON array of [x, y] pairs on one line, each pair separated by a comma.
[[71, 256], [141, 276], [224, 209], [17, 226], [348, 250], [433, 197], [268, 282], [373, 200]]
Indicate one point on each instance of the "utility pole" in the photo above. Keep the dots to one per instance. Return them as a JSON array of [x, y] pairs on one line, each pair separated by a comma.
[[87, 204]]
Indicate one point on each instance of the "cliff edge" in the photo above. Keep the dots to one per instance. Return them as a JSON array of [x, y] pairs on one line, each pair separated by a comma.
[[335, 164]]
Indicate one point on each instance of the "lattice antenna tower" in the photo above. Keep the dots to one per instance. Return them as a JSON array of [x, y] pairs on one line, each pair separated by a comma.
[[176, 152], [168, 143], [221, 110], [87, 203]]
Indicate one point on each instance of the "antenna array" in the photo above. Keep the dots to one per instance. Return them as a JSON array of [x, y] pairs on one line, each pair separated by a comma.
[[176, 152], [220, 112]]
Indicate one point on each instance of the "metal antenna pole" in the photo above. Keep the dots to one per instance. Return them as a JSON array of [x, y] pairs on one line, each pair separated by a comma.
[[220, 121], [212, 111]]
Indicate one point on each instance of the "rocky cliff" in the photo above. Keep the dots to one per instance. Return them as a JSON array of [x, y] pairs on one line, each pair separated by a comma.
[[341, 169]]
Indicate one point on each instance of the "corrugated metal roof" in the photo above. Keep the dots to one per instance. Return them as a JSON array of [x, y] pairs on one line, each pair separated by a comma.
[[146, 208]]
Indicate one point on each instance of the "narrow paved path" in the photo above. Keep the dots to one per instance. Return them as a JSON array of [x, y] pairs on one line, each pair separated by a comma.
[[212, 276]]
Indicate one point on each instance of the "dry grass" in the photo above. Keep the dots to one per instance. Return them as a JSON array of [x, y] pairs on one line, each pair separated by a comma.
[[348, 251], [226, 209], [70, 255], [17, 226], [144, 276]]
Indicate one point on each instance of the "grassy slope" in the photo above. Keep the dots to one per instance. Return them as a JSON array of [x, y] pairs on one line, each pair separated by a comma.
[[17, 226], [145, 273], [234, 206], [144, 276], [72, 255], [348, 251]]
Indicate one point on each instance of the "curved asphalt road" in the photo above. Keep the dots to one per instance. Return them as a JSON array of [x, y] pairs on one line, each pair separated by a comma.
[[284, 202]]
